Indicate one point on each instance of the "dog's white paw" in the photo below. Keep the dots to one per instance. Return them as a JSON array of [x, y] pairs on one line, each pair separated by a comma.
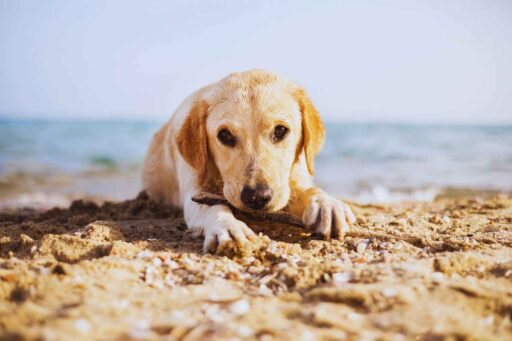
[[327, 216], [224, 232]]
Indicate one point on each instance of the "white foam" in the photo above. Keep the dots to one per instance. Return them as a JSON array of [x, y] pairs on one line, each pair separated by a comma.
[[381, 194], [36, 200]]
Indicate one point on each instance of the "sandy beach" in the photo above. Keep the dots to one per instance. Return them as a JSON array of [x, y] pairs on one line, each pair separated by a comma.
[[402, 110], [130, 270]]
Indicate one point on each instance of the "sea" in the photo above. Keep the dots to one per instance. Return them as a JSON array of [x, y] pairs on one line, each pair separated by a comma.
[[45, 163]]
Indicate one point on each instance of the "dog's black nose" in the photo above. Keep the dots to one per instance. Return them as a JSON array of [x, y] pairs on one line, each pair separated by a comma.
[[256, 198]]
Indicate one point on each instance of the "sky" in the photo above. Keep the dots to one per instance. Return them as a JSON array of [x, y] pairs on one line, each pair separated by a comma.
[[361, 61]]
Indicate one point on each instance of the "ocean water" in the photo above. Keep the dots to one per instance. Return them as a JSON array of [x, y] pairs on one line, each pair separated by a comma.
[[45, 163]]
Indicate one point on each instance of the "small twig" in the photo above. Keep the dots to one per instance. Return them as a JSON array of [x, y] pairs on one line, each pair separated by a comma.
[[278, 217]]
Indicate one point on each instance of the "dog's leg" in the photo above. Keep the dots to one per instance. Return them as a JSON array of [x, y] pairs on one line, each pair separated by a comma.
[[217, 224], [323, 214]]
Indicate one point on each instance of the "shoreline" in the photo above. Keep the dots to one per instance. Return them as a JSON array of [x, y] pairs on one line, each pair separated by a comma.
[[59, 189], [131, 270]]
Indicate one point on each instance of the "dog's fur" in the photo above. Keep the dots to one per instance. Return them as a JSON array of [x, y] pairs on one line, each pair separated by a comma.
[[186, 157]]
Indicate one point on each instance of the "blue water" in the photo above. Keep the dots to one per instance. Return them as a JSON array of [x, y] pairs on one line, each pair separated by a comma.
[[72, 146], [365, 162], [398, 157]]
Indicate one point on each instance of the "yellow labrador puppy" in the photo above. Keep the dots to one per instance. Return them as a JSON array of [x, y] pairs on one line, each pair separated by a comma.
[[252, 137]]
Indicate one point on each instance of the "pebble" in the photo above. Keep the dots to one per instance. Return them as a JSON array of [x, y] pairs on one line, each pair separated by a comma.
[[248, 260], [45, 271], [354, 317], [489, 320], [212, 312], [398, 337], [169, 281], [361, 247], [308, 335], [82, 325], [120, 304], [437, 277], [177, 315], [264, 290], [158, 284], [281, 266], [265, 337], [149, 277], [145, 254], [172, 265], [342, 277], [240, 307], [389, 292], [244, 331], [188, 262], [79, 279], [383, 245], [338, 262], [140, 333], [255, 269], [294, 260]]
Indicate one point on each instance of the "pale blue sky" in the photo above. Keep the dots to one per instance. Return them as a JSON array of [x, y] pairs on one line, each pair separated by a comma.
[[364, 61]]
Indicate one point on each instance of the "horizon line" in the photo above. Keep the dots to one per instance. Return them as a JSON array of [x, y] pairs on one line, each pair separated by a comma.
[[96, 119]]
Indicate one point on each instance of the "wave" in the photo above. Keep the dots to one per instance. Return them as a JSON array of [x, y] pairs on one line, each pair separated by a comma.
[[366, 163], [381, 194]]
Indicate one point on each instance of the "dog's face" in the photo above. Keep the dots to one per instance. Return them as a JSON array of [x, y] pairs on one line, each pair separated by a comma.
[[253, 137], [252, 129]]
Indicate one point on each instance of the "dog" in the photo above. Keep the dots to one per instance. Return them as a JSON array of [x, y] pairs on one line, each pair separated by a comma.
[[252, 137]]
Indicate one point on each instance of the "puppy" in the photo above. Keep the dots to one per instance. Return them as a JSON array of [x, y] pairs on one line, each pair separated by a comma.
[[251, 137]]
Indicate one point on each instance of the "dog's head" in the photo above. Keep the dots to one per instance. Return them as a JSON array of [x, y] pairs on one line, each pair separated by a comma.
[[247, 133]]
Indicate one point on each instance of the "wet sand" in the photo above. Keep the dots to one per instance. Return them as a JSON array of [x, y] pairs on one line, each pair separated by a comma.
[[131, 270]]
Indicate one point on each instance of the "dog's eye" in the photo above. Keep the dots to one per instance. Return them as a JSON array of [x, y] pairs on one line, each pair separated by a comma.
[[279, 133], [226, 138]]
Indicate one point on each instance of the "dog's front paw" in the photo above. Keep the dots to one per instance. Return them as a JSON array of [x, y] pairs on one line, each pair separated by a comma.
[[225, 233], [327, 216]]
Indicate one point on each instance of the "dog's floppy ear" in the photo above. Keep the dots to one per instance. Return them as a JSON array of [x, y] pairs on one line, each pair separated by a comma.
[[192, 139], [313, 131]]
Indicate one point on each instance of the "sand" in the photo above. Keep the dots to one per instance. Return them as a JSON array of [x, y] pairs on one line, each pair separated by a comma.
[[131, 270]]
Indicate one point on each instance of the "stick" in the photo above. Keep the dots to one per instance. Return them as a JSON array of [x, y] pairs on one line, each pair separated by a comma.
[[278, 217]]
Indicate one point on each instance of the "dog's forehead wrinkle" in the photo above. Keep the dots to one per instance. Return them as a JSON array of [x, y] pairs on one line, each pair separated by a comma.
[[249, 79], [255, 93], [254, 103]]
